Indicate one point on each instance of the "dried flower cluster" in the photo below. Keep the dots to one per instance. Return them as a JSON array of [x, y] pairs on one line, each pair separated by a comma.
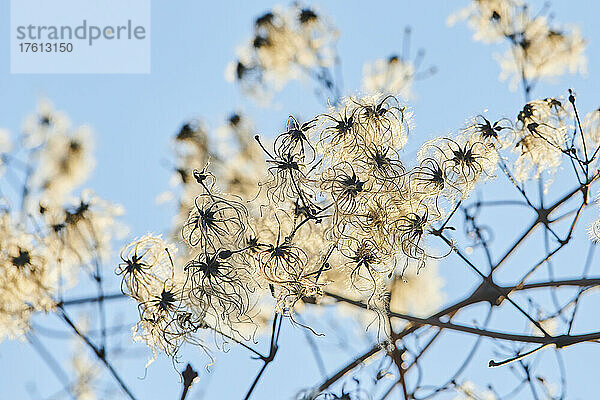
[[53, 237], [287, 43], [391, 75], [333, 211], [338, 211], [397, 73], [538, 48], [331, 206]]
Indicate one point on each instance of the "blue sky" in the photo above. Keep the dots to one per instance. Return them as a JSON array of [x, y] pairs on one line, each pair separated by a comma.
[[135, 116]]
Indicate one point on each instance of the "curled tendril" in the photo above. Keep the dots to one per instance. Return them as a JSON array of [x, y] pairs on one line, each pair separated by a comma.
[[214, 282], [287, 177], [215, 221], [346, 188], [295, 141]]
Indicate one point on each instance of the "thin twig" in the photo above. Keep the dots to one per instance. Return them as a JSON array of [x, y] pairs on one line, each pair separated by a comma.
[[98, 352]]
